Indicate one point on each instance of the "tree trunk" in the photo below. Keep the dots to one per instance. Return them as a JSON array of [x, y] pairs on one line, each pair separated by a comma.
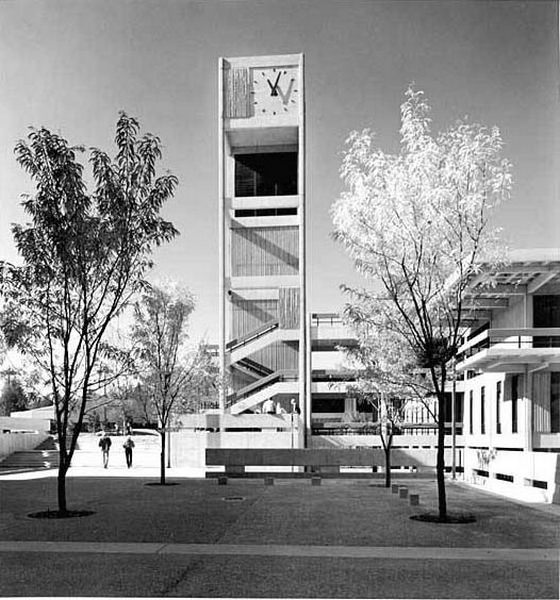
[[440, 464], [61, 486], [162, 459], [387, 466]]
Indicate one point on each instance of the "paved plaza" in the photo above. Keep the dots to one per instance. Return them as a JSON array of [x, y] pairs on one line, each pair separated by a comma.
[[343, 539]]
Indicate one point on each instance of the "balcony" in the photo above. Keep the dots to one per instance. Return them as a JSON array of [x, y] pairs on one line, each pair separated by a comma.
[[509, 350], [328, 331]]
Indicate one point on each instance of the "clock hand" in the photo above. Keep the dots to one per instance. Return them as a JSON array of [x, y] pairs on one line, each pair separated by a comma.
[[286, 95], [274, 88]]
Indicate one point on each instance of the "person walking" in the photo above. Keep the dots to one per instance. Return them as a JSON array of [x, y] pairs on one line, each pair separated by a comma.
[[128, 446], [105, 445]]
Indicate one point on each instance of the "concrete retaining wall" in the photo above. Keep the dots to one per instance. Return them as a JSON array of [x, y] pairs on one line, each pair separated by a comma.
[[14, 442]]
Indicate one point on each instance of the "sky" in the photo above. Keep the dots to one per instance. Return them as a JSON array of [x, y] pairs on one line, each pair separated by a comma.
[[72, 65]]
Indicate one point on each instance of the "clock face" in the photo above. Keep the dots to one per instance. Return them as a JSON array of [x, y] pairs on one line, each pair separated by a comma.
[[275, 90]]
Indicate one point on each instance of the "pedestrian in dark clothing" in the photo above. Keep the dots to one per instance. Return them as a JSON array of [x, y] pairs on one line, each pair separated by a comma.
[[105, 445], [128, 446]]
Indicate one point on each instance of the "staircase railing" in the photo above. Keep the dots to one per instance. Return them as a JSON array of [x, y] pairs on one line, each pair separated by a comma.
[[253, 335], [257, 386], [254, 366]]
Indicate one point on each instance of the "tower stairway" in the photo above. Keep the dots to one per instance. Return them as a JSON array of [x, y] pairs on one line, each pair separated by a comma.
[[252, 342], [278, 382]]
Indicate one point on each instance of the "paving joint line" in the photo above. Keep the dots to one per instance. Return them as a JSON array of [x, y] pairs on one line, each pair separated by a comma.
[[293, 551]]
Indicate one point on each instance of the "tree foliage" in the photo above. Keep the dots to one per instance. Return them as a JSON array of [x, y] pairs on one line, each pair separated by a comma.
[[13, 397], [84, 256], [417, 223]]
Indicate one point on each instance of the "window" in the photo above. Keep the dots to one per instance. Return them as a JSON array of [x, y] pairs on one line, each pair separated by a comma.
[[328, 404], [514, 398], [265, 212], [266, 174], [498, 407], [471, 411], [482, 409], [546, 313], [555, 402]]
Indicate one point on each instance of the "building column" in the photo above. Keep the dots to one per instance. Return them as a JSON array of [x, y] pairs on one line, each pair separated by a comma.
[[527, 411]]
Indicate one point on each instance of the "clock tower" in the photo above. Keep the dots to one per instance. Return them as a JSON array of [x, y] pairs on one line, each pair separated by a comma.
[[263, 337]]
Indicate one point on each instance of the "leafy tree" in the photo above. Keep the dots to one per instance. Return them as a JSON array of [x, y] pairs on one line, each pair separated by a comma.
[[417, 224], [84, 256], [172, 374], [387, 378], [13, 397]]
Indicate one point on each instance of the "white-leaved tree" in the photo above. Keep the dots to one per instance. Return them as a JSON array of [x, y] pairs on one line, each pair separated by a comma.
[[417, 224]]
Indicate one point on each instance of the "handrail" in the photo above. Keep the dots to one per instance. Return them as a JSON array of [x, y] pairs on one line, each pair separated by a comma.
[[254, 366], [326, 318], [321, 375], [246, 391], [253, 335], [520, 338]]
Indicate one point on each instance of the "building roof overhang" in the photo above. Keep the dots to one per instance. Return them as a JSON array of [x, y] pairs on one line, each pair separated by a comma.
[[494, 287]]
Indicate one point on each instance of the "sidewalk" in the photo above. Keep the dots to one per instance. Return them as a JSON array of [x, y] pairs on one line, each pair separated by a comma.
[[345, 538]]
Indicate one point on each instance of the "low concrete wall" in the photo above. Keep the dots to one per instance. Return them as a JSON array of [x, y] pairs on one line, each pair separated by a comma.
[[535, 475], [324, 457], [27, 424], [14, 442]]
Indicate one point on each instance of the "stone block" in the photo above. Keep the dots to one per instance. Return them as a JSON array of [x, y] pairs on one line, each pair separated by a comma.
[[414, 499], [315, 480], [395, 488], [222, 480], [269, 480], [403, 492]]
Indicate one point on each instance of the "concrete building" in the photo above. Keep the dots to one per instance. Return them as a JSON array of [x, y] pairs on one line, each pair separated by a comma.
[[510, 366]]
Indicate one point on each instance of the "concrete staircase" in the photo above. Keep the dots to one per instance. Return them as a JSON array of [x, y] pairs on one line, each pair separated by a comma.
[[87, 454], [44, 456], [146, 451]]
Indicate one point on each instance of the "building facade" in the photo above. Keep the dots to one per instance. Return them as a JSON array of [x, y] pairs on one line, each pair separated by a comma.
[[509, 366]]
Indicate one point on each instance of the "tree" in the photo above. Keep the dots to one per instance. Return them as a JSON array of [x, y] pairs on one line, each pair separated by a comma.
[[13, 397], [84, 256], [387, 378], [417, 224], [171, 373]]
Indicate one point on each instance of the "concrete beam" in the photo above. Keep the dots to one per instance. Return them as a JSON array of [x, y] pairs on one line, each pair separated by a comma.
[[485, 303], [540, 281]]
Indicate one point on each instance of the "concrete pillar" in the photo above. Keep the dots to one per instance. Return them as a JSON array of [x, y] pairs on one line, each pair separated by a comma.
[[221, 237], [304, 343], [527, 411]]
